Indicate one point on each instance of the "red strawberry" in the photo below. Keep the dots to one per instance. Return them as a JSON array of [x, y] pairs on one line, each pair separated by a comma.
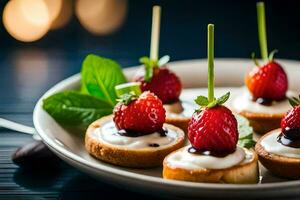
[[164, 83], [143, 115], [291, 120], [213, 129], [267, 82]]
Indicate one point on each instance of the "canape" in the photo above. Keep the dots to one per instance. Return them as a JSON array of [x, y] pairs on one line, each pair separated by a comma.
[[136, 135], [213, 155], [265, 102], [279, 150], [157, 78]]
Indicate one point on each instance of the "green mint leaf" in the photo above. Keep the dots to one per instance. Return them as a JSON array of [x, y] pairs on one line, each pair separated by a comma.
[[99, 76], [201, 101], [163, 60], [245, 132], [76, 109], [246, 143], [223, 98]]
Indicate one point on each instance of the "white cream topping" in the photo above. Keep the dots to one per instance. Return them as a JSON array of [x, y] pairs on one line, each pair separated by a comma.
[[271, 145], [108, 133], [243, 102], [183, 159]]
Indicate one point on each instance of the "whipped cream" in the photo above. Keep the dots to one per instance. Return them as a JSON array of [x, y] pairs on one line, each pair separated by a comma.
[[243, 102], [108, 133], [270, 144], [183, 159]]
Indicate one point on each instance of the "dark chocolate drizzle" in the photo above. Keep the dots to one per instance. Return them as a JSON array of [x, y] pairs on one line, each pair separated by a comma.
[[153, 145], [265, 101], [290, 137], [208, 153], [162, 132]]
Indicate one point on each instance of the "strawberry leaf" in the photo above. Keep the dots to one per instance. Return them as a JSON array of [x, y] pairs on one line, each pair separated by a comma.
[[201, 101], [271, 55], [163, 60], [149, 65], [223, 98], [294, 101]]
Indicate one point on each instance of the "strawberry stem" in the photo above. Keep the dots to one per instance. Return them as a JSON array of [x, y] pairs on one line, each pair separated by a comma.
[[261, 22], [210, 61]]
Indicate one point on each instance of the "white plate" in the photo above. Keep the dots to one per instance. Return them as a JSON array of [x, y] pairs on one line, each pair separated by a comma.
[[229, 72]]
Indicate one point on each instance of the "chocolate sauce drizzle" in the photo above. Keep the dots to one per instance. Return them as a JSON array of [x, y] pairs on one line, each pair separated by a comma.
[[265, 101], [290, 137], [162, 132], [208, 153]]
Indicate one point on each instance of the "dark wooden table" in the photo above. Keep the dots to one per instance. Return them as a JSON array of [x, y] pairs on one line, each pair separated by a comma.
[[28, 70]]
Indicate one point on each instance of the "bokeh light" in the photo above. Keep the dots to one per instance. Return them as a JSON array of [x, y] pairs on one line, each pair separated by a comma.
[[101, 17], [26, 20]]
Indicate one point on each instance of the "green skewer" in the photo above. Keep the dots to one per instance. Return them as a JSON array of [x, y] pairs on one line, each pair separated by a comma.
[[210, 61], [262, 33]]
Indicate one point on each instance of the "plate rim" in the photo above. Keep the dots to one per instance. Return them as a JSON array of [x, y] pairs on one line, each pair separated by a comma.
[[141, 177]]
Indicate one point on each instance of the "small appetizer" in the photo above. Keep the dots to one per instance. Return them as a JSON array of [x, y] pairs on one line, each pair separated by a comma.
[[265, 102], [135, 135], [213, 133], [279, 150], [157, 78]]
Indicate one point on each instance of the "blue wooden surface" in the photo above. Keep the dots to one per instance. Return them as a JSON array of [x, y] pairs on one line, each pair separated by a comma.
[[28, 70]]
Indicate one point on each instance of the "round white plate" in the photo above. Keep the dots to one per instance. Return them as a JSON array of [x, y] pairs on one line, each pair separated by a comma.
[[193, 73]]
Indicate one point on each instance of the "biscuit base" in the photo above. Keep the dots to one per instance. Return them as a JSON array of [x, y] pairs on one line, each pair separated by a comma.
[[135, 158], [245, 173], [281, 166], [263, 123]]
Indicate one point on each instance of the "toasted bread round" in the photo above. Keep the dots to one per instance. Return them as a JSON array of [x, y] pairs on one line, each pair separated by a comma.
[[129, 157], [243, 173], [281, 166], [262, 123], [174, 115]]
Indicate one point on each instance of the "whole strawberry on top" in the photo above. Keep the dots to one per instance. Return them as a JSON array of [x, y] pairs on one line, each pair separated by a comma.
[[157, 77], [213, 127], [290, 124], [266, 82], [136, 112]]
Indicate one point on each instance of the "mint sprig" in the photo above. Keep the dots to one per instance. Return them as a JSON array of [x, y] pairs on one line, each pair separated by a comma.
[[245, 132], [150, 64], [96, 98]]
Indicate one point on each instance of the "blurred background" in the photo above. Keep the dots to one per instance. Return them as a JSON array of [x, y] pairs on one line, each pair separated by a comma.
[[45, 41]]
